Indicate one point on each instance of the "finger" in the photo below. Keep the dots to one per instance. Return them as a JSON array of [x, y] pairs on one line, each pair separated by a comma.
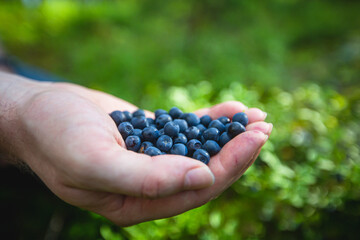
[[223, 109], [229, 109], [111, 103], [130, 173], [106, 102], [227, 167], [255, 115], [264, 127]]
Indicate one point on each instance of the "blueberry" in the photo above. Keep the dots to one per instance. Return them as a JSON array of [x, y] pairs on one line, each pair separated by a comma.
[[160, 112], [118, 117], [164, 143], [192, 119], [150, 134], [162, 120], [152, 151], [241, 117], [162, 132], [202, 156], [181, 138], [193, 145], [217, 124], [139, 113], [137, 132], [205, 120], [224, 138], [139, 122], [175, 112], [224, 120], [125, 129], [203, 140], [145, 145], [171, 129], [201, 127], [235, 128], [179, 149], [211, 147], [192, 133], [150, 121], [211, 134], [182, 116], [182, 124], [227, 126], [133, 143], [128, 116]]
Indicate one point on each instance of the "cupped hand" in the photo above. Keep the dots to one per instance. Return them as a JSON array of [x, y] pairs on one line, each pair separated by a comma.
[[71, 143]]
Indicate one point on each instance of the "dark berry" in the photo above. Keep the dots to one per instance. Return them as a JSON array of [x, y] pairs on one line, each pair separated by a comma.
[[192, 119], [161, 131], [137, 132], [133, 143], [118, 117], [175, 112], [205, 120], [241, 117], [162, 120], [128, 116], [201, 127], [211, 147], [125, 129], [164, 143], [139, 113], [144, 146], [235, 128], [181, 138], [182, 116], [179, 149], [159, 112], [139, 122], [152, 151], [193, 145], [202, 156], [182, 124], [217, 124], [203, 140], [192, 133], [150, 134], [150, 121], [224, 120], [171, 129], [224, 138], [211, 134]]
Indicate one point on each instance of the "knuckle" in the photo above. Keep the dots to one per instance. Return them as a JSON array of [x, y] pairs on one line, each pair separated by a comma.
[[152, 187]]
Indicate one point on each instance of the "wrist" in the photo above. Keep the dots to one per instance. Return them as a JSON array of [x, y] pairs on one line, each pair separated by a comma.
[[15, 91]]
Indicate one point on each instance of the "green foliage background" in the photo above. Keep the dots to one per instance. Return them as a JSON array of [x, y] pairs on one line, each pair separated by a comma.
[[297, 60]]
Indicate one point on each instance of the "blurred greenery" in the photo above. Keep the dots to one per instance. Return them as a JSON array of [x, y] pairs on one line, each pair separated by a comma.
[[297, 60]]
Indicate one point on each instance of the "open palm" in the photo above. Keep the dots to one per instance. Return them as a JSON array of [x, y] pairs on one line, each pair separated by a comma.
[[73, 145]]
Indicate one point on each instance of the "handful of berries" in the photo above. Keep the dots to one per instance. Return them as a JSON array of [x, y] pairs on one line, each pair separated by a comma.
[[175, 132]]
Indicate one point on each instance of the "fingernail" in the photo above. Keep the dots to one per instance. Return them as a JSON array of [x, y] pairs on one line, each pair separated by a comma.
[[270, 127], [266, 137], [199, 178], [265, 115]]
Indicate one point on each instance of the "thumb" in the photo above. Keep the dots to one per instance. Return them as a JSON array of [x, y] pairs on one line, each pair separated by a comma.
[[126, 172]]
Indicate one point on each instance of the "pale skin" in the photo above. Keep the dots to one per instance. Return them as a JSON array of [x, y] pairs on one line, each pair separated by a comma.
[[64, 134]]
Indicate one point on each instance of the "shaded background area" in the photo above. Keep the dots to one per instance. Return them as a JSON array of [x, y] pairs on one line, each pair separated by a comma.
[[297, 60]]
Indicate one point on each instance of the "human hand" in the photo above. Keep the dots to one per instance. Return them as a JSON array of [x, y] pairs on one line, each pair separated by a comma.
[[71, 143]]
